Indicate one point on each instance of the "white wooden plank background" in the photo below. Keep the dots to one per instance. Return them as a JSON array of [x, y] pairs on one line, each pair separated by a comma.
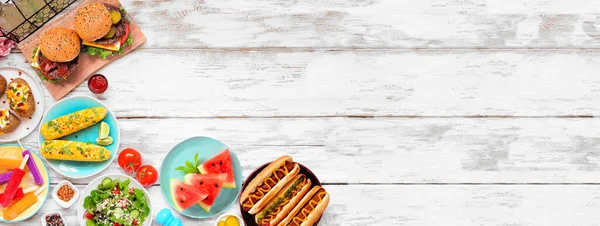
[[351, 83], [439, 112], [369, 24], [392, 151]]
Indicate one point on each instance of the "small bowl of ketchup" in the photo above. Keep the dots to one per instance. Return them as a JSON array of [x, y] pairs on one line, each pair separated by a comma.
[[98, 83]]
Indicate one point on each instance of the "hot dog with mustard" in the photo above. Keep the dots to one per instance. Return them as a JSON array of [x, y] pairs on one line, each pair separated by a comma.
[[281, 206], [268, 183], [310, 208]]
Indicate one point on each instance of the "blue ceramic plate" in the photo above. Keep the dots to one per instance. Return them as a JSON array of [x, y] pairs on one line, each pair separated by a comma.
[[74, 169], [206, 148]]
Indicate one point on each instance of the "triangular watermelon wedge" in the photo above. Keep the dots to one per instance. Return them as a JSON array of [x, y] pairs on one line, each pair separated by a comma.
[[184, 195], [220, 164], [212, 183]]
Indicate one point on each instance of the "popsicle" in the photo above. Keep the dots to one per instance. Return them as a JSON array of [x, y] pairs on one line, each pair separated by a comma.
[[18, 207], [13, 183], [37, 177], [9, 163], [5, 177], [10, 157], [21, 192]]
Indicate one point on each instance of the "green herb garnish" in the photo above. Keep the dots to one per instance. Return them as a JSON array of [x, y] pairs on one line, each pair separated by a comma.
[[190, 167]]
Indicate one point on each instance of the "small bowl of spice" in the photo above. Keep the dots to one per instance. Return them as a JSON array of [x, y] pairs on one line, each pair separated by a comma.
[[65, 194], [53, 219]]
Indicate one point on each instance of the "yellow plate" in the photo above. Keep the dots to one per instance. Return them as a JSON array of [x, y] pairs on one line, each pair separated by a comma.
[[15, 150]]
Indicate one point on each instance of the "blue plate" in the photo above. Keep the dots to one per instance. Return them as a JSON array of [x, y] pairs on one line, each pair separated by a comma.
[[75, 169], [206, 148]]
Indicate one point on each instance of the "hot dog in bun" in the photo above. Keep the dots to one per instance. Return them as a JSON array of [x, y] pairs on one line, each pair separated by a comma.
[[268, 183], [281, 206], [310, 208]]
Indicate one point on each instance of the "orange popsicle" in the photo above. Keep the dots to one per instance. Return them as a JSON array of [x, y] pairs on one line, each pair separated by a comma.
[[10, 158], [18, 207]]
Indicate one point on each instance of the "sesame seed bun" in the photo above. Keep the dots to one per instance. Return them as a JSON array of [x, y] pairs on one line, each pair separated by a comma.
[[92, 21], [60, 44]]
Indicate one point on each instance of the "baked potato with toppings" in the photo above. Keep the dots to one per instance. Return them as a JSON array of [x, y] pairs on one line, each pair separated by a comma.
[[8, 121], [2, 85], [20, 98]]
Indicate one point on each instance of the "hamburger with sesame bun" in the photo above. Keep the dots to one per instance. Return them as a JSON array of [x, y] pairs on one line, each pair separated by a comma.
[[104, 29], [56, 57]]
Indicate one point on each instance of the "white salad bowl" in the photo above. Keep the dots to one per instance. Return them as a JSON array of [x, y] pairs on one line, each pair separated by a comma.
[[94, 185]]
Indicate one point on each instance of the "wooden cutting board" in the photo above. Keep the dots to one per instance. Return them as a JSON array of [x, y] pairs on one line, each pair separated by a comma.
[[87, 64]]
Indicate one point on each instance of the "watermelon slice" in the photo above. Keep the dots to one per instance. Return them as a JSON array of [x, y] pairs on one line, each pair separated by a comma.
[[220, 164], [185, 195], [208, 182]]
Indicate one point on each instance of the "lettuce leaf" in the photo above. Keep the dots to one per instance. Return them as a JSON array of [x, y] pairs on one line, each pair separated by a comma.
[[103, 53]]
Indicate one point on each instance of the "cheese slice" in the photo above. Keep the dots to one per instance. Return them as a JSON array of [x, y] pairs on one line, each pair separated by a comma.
[[114, 47]]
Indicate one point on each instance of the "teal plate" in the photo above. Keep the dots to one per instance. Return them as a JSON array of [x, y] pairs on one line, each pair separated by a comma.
[[206, 148], [73, 169]]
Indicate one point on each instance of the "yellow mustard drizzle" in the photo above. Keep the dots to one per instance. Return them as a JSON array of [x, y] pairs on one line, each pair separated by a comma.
[[304, 212], [18, 95], [262, 192]]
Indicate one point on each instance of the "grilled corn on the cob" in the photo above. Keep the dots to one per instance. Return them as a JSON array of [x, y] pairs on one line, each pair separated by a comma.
[[74, 151], [73, 122]]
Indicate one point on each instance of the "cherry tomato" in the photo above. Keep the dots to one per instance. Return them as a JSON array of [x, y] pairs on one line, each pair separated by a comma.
[[88, 215], [116, 191], [147, 175], [134, 223], [130, 160], [116, 224]]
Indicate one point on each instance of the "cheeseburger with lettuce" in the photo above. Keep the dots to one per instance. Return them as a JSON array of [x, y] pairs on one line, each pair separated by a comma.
[[104, 29]]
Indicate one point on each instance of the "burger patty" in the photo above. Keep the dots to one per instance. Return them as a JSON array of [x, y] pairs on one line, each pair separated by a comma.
[[119, 28], [52, 66]]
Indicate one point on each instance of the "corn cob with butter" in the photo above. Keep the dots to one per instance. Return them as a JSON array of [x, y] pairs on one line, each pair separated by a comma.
[[73, 122], [74, 151]]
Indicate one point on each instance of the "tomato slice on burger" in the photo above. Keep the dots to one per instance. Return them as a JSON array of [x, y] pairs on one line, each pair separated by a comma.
[[127, 32]]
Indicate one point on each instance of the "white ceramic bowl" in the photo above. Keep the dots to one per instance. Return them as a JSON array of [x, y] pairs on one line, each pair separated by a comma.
[[224, 216], [60, 202], [94, 185], [43, 220]]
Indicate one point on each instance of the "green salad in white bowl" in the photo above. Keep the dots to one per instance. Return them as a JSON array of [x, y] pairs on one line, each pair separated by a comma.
[[114, 200]]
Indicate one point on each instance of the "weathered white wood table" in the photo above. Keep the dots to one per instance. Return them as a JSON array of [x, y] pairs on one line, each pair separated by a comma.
[[439, 112]]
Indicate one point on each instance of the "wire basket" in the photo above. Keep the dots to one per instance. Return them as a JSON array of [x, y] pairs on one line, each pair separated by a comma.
[[21, 18]]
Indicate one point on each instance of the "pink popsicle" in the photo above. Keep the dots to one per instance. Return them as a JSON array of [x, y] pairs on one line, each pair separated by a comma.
[[13, 184], [37, 177]]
